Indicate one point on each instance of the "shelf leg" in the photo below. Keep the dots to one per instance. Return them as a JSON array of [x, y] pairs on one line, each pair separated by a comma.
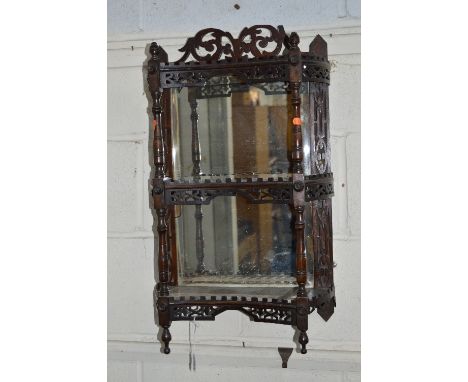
[[302, 321], [166, 338], [303, 340]]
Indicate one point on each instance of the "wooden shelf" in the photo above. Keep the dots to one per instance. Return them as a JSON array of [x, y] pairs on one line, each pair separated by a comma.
[[277, 188]]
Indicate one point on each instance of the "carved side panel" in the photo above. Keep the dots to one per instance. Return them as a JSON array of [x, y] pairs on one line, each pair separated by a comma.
[[322, 233], [322, 243], [320, 138]]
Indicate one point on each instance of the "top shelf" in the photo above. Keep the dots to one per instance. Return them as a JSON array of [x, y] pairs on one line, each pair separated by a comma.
[[251, 71], [260, 54]]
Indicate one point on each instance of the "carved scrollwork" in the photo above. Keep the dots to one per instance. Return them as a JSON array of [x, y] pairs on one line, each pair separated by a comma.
[[183, 78], [312, 72], [204, 312], [260, 196], [205, 196], [261, 73], [223, 86], [174, 76], [315, 191], [272, 87], [196, 312], [221, 43], [252, 41], [215, 87], [220, 86], [255, 191], [273, 315], [261, 54], [213, 44], [187, 197], [274, 195]]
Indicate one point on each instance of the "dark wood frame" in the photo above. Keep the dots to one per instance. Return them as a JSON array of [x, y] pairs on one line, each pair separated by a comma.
[[247, 60]]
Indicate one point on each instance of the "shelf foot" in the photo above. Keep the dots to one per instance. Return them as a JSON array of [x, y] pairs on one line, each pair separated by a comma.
[[303, 340], [166, 338]]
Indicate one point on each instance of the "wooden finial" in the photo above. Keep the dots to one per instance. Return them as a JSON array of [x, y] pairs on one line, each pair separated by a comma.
[[158, 53], [318, 47], [154, 50], [293, 40]]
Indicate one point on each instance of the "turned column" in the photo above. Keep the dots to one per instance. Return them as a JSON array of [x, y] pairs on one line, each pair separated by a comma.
[[297, 156], [158, 55], [196, 172]]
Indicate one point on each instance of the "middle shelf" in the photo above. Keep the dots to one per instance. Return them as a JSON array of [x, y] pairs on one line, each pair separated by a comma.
[[274, 188]]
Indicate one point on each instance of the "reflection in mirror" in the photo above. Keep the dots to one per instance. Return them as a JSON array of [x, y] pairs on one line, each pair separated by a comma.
[[231, 129]]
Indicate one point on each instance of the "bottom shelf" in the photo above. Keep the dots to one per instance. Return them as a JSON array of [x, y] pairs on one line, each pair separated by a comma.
[[276, 305], [235, 292], [227, 297], [210, 279]]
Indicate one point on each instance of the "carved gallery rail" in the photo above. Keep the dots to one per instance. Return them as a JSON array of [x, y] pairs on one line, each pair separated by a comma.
[[255, 190]]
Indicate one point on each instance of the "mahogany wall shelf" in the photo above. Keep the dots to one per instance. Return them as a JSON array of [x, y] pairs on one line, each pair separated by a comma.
[[242, 181]]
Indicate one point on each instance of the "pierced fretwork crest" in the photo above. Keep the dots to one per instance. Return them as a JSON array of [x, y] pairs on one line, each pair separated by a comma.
[[212, 44]]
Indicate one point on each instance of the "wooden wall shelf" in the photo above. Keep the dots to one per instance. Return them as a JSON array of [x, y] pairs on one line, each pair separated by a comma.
[[276, 262]]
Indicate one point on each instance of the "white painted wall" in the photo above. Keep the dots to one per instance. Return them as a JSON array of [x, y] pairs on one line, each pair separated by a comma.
[[232, 347], [182, 16]]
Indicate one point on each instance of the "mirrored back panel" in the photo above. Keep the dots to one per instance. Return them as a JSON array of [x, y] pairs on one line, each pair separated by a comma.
[[228, 129]]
